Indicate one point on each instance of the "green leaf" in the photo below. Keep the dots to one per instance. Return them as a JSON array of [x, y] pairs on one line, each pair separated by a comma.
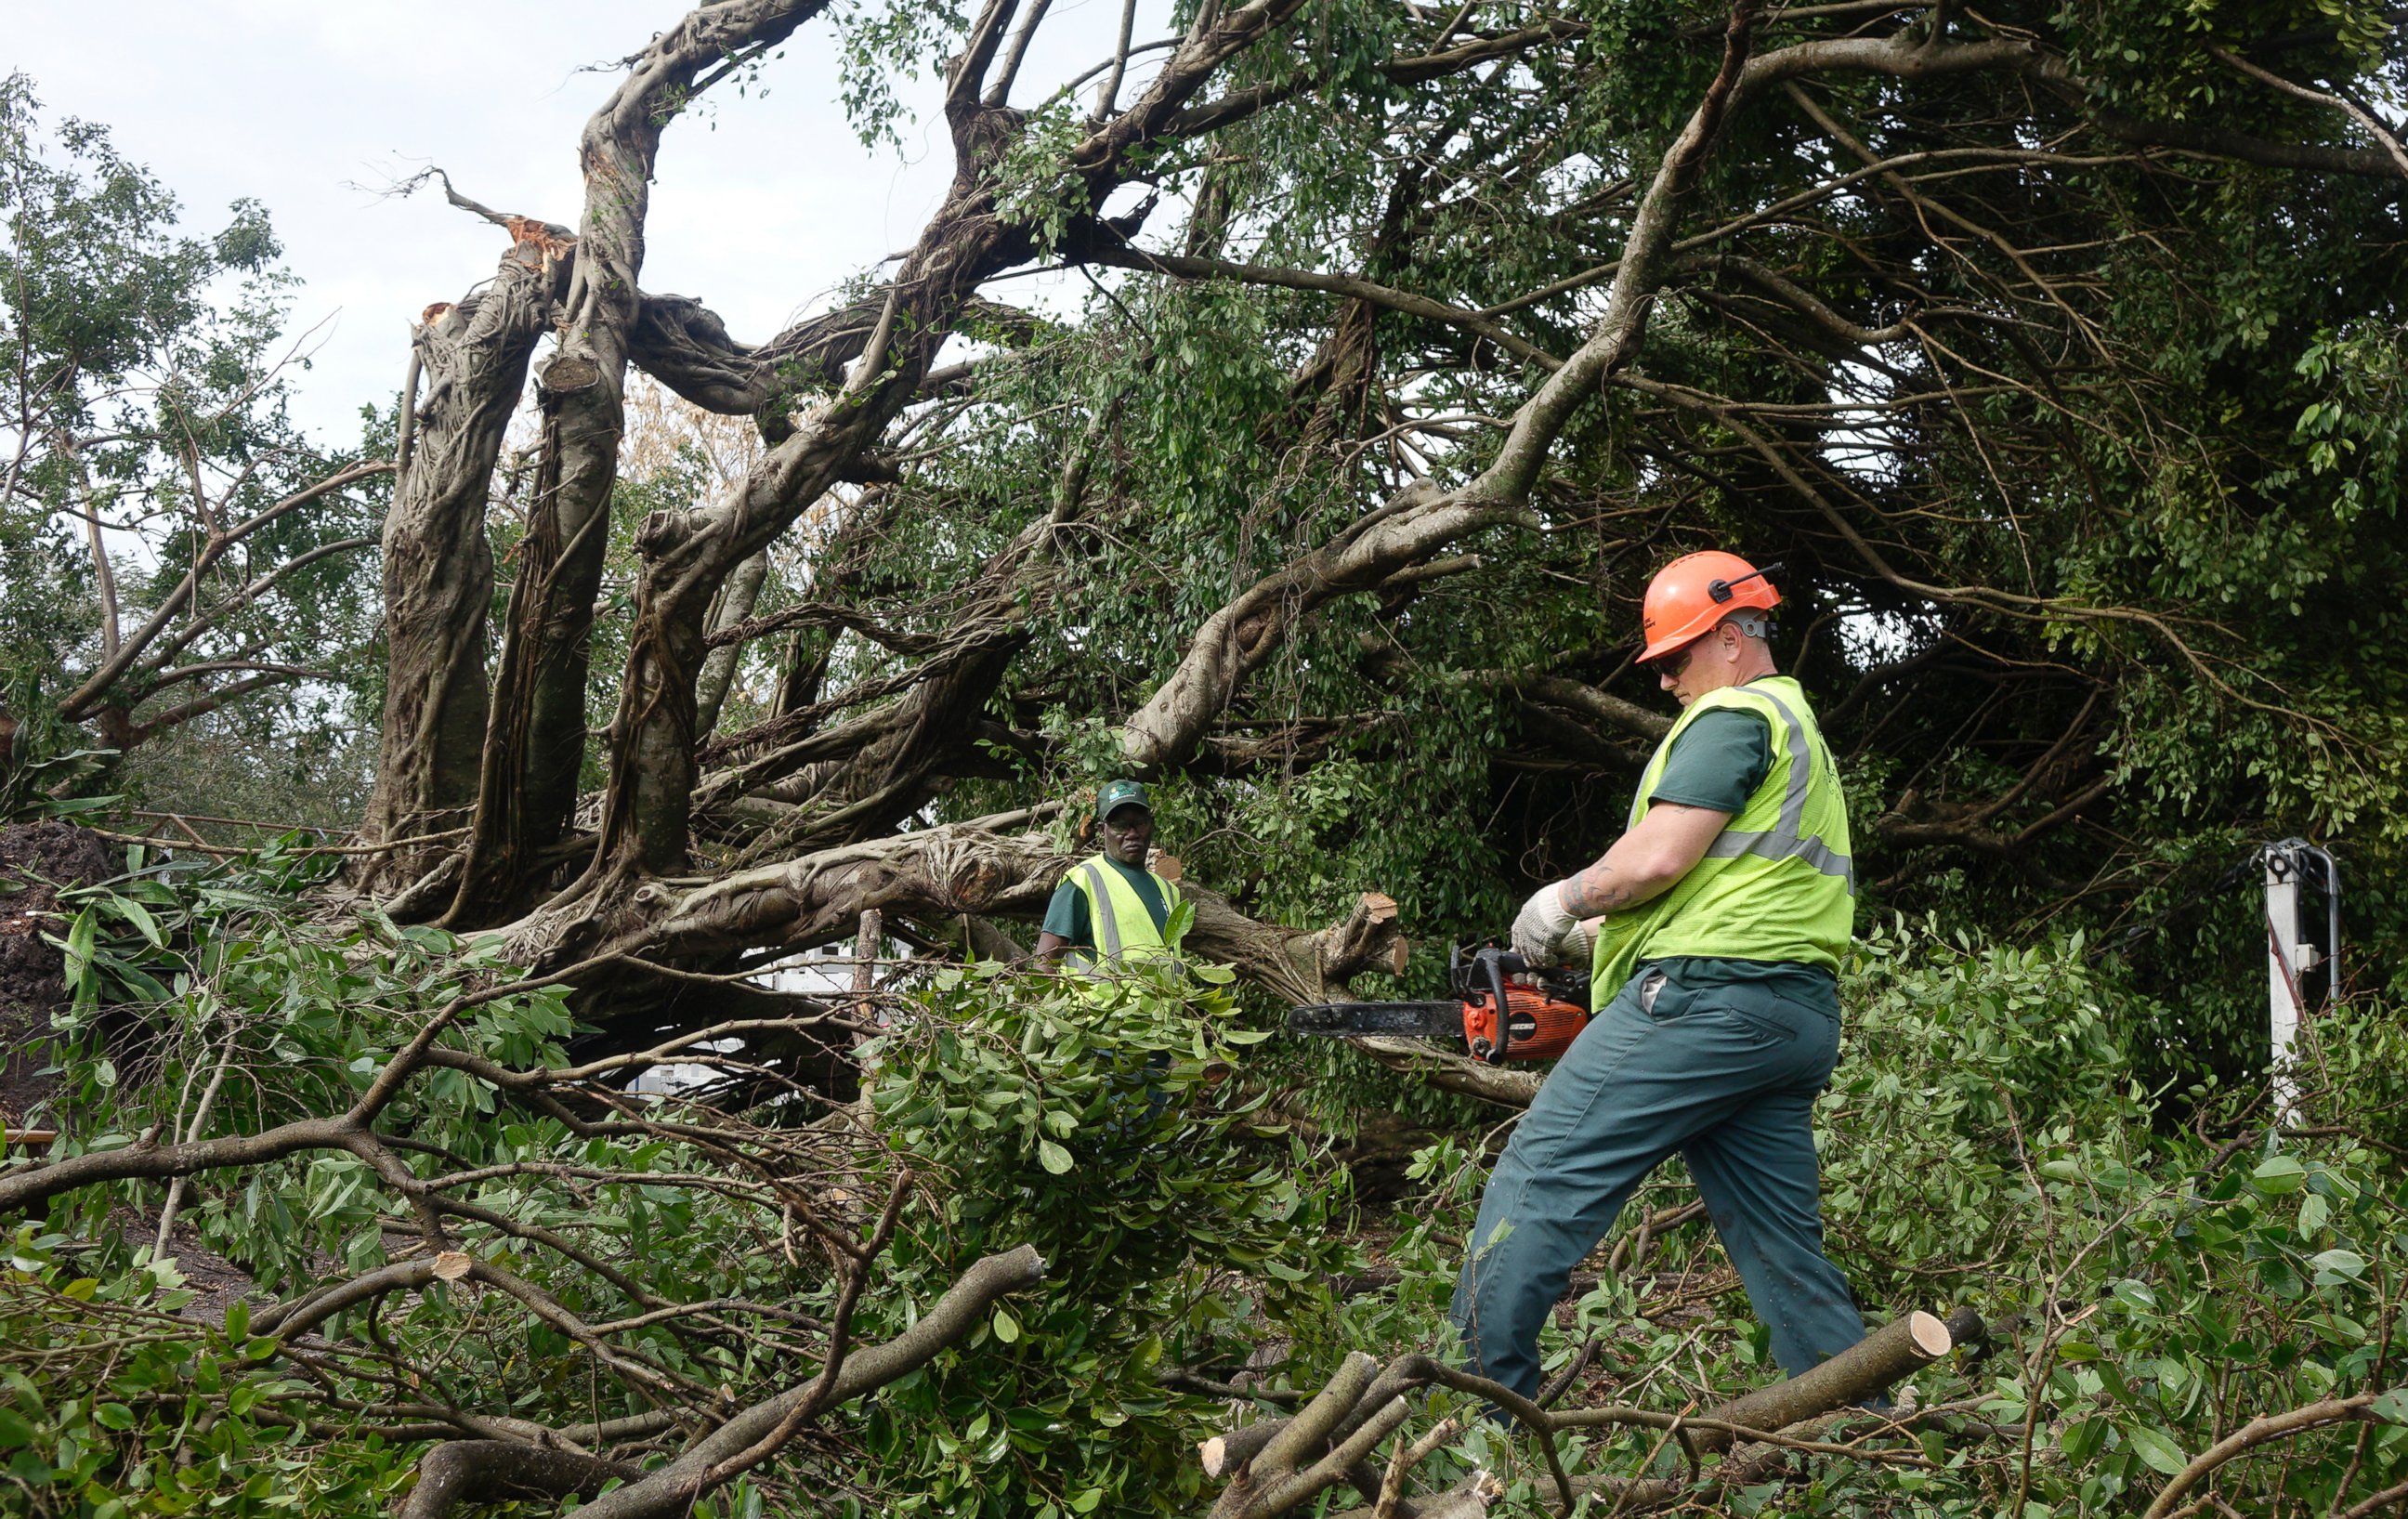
[[2314, 1212], [1006, 1328], [2156, 1448], [1054, 1157], [139, 916], [2278, 1175]]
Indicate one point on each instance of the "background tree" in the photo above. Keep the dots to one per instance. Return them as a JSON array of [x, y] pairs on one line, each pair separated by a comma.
[[179, 552]]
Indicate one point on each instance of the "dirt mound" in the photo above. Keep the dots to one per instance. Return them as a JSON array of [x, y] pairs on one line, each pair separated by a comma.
[[37, 860]]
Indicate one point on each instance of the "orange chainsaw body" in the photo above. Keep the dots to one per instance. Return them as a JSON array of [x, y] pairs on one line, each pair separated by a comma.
[[1540, 1028], [1543, 1010]]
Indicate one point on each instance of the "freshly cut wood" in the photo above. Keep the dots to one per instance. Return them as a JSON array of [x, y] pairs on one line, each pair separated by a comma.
[[1224, 1454], [1862, 1372]]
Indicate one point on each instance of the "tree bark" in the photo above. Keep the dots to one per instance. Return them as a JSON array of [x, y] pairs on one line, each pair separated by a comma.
[[481, 1472], [734, 604], [438, 566]]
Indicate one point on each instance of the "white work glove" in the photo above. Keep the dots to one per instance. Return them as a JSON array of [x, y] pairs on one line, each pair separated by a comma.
[[1541, 925], [1579, 943]]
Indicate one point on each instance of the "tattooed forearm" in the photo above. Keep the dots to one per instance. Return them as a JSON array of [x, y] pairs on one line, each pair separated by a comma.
[[1646, 861], [1596, 890]]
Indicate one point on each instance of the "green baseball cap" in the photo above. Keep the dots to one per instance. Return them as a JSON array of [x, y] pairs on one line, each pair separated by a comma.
[[1120, 793]]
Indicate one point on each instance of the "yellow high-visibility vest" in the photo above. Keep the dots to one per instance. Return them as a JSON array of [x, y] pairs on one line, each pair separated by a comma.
[[1778, 883], [1123, 930]]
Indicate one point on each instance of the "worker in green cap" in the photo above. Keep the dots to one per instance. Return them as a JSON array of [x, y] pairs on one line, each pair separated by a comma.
[[1109, 907]]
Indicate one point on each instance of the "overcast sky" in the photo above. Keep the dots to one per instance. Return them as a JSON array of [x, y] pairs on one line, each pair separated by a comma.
[[758, 210]]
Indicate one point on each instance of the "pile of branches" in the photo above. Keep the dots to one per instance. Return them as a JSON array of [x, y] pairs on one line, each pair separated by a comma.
[[1278, 1465], [808, 1185]]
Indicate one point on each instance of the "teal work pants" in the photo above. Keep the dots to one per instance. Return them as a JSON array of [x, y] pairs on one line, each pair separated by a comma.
[[1724, 1075]]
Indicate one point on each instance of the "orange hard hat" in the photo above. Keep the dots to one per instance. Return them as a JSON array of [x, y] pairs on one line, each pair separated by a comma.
[[1693, 592]]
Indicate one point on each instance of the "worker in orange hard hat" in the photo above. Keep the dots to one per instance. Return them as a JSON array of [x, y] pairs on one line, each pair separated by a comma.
[[1714, 929], [1695, 594]]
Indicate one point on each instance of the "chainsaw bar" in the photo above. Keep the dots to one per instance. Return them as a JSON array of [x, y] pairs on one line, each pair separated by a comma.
[[1411, 1019]]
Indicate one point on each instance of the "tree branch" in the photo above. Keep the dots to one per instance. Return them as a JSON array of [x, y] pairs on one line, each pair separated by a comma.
[[671, 1490]]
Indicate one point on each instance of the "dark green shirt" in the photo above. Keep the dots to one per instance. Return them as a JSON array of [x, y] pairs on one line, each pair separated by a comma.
[[1066, 914], [1717, 763]]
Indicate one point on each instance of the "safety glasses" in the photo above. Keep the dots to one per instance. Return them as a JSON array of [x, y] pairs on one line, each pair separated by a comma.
[[1672, 666]]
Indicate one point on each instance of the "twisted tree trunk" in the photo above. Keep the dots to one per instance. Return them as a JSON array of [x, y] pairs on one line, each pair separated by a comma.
[[438, 566], [686, 558], [537, 748]]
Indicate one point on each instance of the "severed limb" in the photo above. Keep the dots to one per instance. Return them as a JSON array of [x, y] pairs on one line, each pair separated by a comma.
[[972, 868], [1508, 1086], [1298, 965], [1265, 1462]]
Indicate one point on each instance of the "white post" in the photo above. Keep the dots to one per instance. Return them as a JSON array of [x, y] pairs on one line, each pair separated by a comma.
[[2285, 965]]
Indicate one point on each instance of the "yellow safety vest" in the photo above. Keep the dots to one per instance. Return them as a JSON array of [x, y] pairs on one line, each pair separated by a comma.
[[1123, 930], [1777, 884]]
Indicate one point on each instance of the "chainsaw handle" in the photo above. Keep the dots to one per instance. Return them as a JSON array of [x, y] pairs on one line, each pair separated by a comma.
[[1500, 964]]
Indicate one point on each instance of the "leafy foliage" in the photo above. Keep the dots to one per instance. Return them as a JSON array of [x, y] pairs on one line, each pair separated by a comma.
[[1104, 1128], [153, 582]]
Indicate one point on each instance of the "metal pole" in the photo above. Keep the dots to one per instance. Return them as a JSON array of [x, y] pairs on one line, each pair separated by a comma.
[[2282, 968]]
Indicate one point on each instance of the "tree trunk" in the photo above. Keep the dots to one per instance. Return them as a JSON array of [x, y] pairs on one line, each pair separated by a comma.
[[506, 829], [735, 603], [438, 566], [588, 412], [537, 751]]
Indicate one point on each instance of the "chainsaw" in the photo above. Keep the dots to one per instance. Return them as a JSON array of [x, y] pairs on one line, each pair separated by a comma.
[[1543, 1010]]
